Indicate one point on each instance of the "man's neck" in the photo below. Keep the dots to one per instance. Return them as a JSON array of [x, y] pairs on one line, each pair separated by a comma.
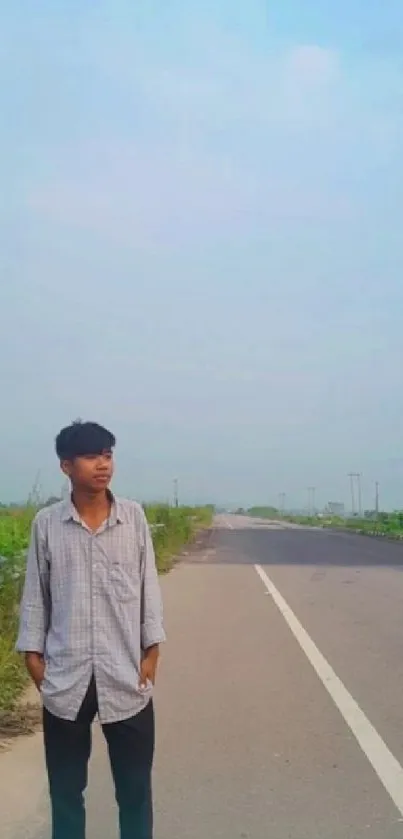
[[91, 503]]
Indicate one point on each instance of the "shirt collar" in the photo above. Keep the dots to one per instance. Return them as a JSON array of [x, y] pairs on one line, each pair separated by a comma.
[[70, 513]]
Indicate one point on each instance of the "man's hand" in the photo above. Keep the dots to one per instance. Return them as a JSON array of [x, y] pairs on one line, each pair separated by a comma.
[[36, 667], [149, 664]]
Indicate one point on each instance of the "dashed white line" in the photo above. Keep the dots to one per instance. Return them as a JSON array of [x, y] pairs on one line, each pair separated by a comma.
[[386, 766]]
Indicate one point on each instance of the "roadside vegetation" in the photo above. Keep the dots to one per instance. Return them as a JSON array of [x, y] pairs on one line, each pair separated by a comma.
[[172, 529], [388, 525]]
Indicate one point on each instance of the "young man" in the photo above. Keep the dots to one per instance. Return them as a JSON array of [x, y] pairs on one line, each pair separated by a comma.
[[90, 628]]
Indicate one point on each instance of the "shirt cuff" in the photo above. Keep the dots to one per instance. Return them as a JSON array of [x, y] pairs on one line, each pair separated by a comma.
[[30, 643], [151, 635]]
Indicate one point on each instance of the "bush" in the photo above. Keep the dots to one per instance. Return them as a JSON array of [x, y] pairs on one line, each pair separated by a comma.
[[14, 535], [173, 527], [389, 525]]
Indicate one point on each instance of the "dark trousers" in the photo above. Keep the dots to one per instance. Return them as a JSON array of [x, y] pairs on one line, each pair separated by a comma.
[[131, 752]]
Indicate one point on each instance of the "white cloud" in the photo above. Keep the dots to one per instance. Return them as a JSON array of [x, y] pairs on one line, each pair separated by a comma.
[[313, 65], [228, 143]]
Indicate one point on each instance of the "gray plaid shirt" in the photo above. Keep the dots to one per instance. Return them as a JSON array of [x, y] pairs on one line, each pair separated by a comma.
[[91, 604]]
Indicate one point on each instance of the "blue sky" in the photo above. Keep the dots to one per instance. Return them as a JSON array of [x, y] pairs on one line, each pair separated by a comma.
[[200, 241]]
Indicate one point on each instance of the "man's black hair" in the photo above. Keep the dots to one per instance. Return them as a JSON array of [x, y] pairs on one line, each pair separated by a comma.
[[82, 438]]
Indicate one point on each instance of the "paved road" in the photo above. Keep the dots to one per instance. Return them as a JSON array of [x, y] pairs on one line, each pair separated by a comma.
[[273, 633]]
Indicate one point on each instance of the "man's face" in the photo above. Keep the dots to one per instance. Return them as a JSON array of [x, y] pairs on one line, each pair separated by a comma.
[[92, 472]]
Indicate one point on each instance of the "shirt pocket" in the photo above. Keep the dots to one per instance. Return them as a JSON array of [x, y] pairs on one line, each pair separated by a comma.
[[125, 580]]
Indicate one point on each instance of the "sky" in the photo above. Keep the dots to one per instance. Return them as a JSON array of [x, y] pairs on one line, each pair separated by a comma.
[[200, 244]]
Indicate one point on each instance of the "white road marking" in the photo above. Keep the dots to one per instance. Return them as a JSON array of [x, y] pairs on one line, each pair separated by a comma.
[[387, 768]]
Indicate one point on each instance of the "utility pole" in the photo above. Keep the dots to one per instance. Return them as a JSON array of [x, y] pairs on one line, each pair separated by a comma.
[[311, 500], [282, 502], [360, 513], [351, 475], [377, 499], [355, 476], [176, 492]]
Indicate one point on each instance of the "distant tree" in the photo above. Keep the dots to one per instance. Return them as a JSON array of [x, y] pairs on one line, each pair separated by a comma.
[[263, 512]]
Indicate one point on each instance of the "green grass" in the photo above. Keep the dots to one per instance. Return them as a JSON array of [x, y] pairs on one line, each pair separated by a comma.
[[14, 535], [263, 512], [388, 525], [173, 528], [179, 525]]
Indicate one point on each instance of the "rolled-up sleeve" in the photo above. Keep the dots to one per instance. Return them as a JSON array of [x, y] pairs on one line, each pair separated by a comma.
[[152, 621], [35, 603]]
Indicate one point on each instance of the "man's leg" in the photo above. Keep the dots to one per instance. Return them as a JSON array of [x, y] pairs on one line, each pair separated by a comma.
[[67, 751], [131, 753]]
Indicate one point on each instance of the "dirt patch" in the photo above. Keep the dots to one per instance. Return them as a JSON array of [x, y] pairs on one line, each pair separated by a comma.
[[202, 540], [25, 718], [197, 549]]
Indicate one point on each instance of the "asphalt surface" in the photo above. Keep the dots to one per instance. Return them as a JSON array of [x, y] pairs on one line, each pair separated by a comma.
[[251, 743]]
